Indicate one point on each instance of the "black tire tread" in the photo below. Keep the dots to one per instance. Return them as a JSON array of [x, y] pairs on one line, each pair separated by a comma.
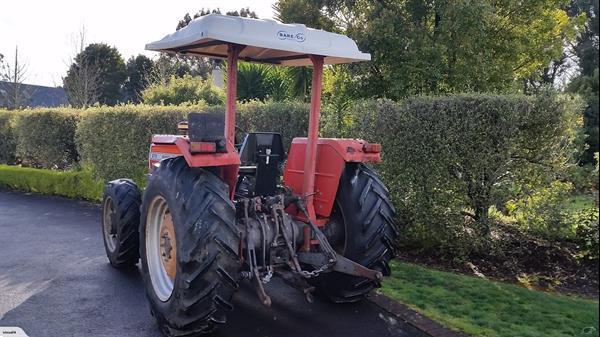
[[208, 262], [127, 199], [366, 208]]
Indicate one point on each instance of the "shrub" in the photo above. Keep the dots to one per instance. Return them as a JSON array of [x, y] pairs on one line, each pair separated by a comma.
[[73, 184], [8, 140], [447, 160], [122, 149], [584, 178], [261, 82], [45, 138], [186, 89], [544, 212], [115, 141], [587, 228], [288, 118]]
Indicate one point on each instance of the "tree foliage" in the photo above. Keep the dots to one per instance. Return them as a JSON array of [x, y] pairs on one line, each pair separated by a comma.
[[186, 89], [443, 46], [139, 70], [107, 64], [586, 84], [260, 82], [244, 12]]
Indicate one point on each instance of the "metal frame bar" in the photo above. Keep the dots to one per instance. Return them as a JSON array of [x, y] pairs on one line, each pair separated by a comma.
[[198, 45], [233, 53], [310, 160]]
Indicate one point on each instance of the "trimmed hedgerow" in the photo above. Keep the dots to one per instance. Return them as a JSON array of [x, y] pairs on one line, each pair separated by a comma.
[[79, 184], [115, 141], [447, 160], [288, 118], [8, 139], [45, 137]]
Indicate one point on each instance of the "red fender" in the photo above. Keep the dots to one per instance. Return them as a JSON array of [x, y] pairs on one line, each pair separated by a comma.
[[168, 146], [332, 156]]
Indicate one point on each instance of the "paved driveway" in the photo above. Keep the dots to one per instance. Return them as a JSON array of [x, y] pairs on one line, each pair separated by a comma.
[[56, 281]]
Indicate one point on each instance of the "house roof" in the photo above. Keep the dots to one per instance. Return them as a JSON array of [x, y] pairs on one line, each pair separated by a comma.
[[266, 41], [36, 95]]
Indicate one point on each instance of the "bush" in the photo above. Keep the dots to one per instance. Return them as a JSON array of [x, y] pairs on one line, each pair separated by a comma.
[[544, 212], [587, 228], [186, 89], [584, 178], [8, 140], [288, 118], [45, 138], [72, 184], [122, 150], [447, 160], [115, 141]]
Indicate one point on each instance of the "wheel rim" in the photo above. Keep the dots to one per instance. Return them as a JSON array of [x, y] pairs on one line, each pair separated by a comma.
[[161, 248], [109, 225]]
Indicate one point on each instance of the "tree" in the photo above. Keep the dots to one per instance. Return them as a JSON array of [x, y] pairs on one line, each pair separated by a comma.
[[586, 84], [139, 69], [84, 78], [308, 12], [442, 46], [105, 62], [12, 92]]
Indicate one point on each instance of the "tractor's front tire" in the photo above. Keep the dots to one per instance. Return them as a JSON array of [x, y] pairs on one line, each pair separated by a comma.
[[188, 248], [362, 229], [120, 222]]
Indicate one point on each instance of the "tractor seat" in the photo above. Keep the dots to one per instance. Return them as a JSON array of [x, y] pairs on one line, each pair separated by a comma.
[[260, 156]]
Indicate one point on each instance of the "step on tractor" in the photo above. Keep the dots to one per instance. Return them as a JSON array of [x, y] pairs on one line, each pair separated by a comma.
[[215, 213]]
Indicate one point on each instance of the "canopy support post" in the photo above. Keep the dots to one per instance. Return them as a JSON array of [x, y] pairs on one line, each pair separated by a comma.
[[233, 53], [310, 159]]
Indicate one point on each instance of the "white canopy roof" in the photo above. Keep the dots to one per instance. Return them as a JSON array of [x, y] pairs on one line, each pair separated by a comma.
[[266, 41]]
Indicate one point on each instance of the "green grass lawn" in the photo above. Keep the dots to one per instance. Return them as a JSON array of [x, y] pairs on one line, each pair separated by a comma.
[[580, 202], [485, 308]]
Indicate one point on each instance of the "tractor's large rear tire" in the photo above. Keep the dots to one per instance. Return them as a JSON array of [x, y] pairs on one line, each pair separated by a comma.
[[188, 248], [120, 222], [362, 229]]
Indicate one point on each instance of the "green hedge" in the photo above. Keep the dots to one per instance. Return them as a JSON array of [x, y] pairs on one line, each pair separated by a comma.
[[45, 138], [78, 184], [122, 150], [447, 160], [8, 139], [288, 118], [115, 141]]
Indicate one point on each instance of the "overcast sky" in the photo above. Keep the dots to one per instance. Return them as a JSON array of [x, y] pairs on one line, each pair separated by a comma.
[[44, 29]]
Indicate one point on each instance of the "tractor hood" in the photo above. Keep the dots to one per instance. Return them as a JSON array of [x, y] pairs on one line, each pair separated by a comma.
[[266, 41]]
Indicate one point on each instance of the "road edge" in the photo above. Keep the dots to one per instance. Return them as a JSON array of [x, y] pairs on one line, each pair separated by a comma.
[[415, 319]]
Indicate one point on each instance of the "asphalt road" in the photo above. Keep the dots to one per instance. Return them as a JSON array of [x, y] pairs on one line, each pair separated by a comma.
[[55, 280]]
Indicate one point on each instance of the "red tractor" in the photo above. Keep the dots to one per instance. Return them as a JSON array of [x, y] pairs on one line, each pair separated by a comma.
[[215, 213]]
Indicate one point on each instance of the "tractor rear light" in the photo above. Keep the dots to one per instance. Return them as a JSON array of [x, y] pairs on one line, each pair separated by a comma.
[[372, 148], [203, 147]]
